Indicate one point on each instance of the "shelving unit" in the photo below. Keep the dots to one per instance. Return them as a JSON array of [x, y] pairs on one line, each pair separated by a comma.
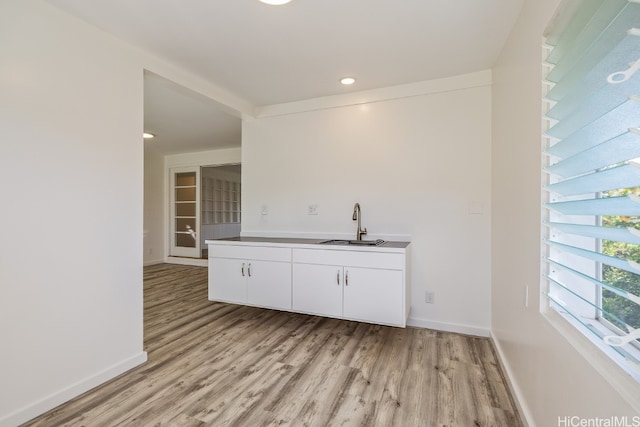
[[220, 201]]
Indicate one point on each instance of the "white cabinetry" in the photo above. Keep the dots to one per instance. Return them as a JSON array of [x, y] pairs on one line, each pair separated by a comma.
[[269, 284], [365, 286], [228, 280], [252, 275], [374, 295], [317, 289]]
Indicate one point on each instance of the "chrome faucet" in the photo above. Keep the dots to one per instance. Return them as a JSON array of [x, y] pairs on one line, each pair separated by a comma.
[[356, 217]]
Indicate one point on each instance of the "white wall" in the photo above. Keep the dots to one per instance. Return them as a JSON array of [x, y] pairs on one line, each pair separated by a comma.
[[71, 176], [552, 378], [71, 185], [415, 164], [154, 207]]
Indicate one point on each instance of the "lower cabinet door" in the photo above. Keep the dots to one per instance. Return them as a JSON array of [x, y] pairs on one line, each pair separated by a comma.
[[269, 284], [374, 295], [228, 280], [317, 289]]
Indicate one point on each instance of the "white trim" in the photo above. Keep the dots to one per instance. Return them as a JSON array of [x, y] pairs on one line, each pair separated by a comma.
[[174, 249], [67, 393], [198, 262], [449, 327], [227, 101], [516, 392], [217, 157], [615, 375], [465, 81]]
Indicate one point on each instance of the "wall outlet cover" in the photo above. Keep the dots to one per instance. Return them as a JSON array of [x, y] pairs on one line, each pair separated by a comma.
[[430, 297]]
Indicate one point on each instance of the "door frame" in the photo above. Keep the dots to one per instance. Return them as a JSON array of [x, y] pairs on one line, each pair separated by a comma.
[[181, 251]]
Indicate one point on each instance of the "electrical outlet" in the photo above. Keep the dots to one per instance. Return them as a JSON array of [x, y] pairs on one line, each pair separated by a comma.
[[264, 210], [430, 297], [312, 210]]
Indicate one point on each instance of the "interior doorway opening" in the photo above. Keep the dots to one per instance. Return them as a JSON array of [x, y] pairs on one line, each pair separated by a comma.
[[221, 209], [192, 131], [205, 204]]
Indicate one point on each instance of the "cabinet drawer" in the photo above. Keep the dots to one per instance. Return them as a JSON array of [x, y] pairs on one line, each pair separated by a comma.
[[260, 253], [366, 259]]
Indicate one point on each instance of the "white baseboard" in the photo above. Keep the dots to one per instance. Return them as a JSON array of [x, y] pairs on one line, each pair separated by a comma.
[[448, 327], [198, 262], [523, 409], [64, 395]]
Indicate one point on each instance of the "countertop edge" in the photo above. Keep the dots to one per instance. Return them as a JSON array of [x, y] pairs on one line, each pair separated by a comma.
[[391, 246]]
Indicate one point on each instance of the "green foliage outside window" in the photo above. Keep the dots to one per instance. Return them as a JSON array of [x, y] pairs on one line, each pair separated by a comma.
[[626, 310]]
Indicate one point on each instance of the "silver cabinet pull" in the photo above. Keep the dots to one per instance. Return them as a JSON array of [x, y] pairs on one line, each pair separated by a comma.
[[346, 278], [243, 269], [249, 270], [338, 277]]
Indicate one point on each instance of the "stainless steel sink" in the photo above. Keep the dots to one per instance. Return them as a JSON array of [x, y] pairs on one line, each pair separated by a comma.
[[353, 242]]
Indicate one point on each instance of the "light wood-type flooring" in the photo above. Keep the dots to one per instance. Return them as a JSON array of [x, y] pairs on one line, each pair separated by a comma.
[[214, 364]]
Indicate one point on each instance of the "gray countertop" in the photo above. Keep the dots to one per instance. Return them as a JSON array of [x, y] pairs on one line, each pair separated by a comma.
[[299, 241]]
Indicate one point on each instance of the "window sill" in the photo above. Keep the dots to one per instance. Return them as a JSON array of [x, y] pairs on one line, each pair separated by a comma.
[[601, 327], [613, 368]]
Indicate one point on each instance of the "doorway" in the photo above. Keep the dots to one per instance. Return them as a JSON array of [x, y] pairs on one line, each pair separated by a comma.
[[185, 218], [205, 204], [191, 130], [221, 207]]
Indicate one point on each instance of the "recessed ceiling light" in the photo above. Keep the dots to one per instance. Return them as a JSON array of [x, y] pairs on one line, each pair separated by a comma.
[[147, 135], [347, 81], [275, 2]]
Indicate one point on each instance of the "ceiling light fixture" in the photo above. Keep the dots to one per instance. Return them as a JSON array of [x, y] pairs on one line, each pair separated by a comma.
[[275, 2], [147, 135], [347, 81]]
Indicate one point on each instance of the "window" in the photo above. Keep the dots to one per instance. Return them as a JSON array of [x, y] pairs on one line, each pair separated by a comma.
[[591, 219]]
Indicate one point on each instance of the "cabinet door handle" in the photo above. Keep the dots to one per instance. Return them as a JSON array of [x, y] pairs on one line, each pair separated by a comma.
[[249, 270], [346, 278], [243, 269], [338, 277]]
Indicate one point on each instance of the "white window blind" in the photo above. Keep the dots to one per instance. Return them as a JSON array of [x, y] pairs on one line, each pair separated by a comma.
[[592, 176]]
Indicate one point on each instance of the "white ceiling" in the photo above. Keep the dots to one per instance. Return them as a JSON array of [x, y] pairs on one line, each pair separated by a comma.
[[184, 121], [275, 54]]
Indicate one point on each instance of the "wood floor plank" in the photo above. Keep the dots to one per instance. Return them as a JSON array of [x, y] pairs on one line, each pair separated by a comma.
[[214, 364]]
